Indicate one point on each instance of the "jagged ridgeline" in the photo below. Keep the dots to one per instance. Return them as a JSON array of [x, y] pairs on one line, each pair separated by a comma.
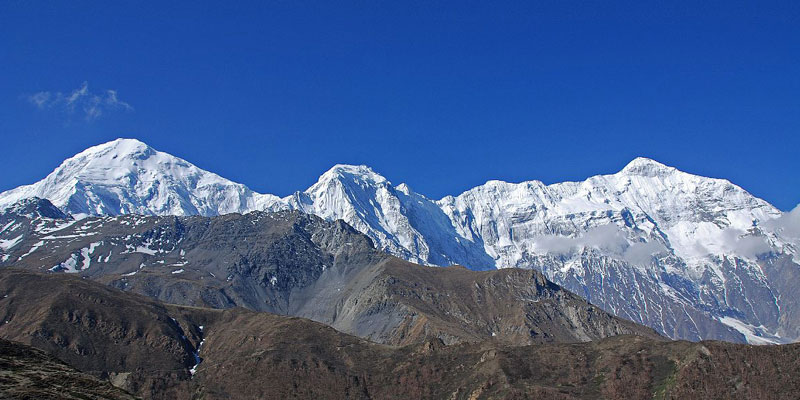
[[298, 264], [692, 257], [160, 351]]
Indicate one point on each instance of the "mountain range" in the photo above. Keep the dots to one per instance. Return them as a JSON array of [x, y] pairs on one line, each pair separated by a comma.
[[692, 257], [83, 344], [298, 264]]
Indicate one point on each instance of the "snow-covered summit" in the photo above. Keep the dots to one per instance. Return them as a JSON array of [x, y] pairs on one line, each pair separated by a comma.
[[352, 173], [691, 256], [126, 176], [120, 147], [647, 167]]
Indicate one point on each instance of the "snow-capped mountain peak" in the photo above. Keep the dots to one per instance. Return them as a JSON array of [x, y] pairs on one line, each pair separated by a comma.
[[126, 176], [360, 173], [120, 147], [693, 257], [647, 167]]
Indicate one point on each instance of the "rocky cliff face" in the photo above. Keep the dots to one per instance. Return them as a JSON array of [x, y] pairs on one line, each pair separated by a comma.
[[299, 264], [159, 351], [681, 253], [690, 256], [29, 373], [99, 330]]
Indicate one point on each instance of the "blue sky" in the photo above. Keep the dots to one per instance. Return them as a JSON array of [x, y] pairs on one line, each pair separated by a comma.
[[440, 95]]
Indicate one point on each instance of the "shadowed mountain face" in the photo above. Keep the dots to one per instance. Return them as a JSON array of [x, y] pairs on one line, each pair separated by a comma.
[[687, 255], [98, 330], [176, 352], [297, 264], [28, 373]]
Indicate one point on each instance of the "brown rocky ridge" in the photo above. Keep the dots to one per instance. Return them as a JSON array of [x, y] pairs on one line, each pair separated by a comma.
[[296, 264], [152, 350], [29, 373]]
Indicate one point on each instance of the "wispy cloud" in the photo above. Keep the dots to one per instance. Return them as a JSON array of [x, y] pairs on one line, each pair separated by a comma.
[[740, 243], [80, 101], [609, 239], [787, 225]]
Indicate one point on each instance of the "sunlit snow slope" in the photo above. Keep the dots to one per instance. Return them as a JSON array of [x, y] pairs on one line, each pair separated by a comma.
[[693, 257]]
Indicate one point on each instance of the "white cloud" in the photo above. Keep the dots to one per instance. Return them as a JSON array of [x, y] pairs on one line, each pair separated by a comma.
[[39, 99], [643, 253], [81, 100], [738, 242], [787, 225], [609, 239], [556, 244]]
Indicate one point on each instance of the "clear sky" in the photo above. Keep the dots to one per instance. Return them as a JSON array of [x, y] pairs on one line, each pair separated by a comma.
[[440, 95]]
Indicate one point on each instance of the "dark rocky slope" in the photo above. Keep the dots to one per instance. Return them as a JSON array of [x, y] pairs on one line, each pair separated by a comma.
[[98, 329], [297, 264], [29, 373], [149, 349]]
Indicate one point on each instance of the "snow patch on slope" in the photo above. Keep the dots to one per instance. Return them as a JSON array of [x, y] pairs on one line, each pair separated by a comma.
[[8, 244], [648, 242], [754, 334]]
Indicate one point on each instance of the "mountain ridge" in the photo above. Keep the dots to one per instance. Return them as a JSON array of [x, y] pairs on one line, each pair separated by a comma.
[[649, 243], [298, 264], [164, 351], [134, 147]]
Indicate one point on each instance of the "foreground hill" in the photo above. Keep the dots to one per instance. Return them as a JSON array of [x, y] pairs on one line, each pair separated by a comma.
[[175, 352], [28, 373], [301, 265], [690, 256]]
